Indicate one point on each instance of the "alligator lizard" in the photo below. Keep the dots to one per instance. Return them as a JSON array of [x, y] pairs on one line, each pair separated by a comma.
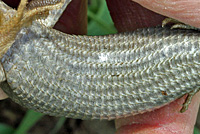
[[95, 77]]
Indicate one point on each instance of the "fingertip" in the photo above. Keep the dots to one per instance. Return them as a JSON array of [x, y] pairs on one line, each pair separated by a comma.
[[128, 15], [186, 11], [74, 18], [166, 120]]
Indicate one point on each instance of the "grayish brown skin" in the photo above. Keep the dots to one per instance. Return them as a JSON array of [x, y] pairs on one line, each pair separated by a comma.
[[100, 77]]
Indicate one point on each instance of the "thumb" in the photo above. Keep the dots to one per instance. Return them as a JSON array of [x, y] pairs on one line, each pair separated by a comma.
[[186, 11], [166, 120]]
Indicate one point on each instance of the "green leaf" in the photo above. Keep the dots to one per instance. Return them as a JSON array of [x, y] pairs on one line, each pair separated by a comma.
[[28, 121], [100, 21], [5, 129], [196, 130]]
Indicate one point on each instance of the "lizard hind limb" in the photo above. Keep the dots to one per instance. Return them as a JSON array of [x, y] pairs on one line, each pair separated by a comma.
[[25, 15], [9, 29]]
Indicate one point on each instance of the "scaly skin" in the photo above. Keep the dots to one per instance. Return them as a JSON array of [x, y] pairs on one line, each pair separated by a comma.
[[100, 77]]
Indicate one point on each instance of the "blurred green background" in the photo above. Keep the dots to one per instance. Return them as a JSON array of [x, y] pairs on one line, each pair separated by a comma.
[[30, 122]]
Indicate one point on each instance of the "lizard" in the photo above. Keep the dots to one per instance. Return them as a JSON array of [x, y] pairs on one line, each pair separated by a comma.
[[93, 77]]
